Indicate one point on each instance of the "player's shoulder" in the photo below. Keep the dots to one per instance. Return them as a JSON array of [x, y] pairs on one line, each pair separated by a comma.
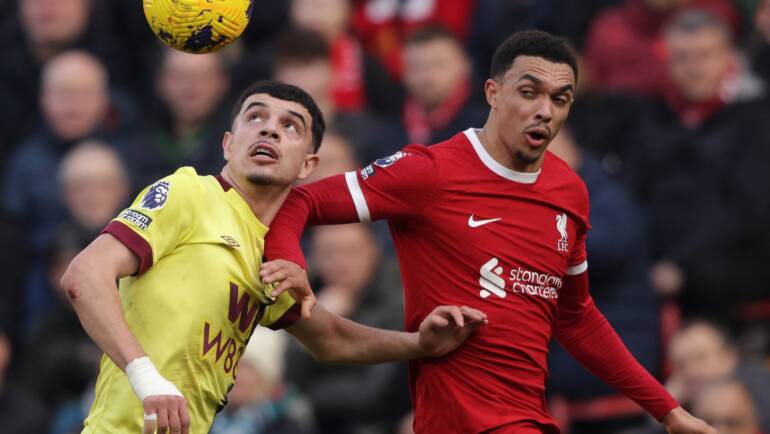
[[413, 155], [562, 179], [184, 185]]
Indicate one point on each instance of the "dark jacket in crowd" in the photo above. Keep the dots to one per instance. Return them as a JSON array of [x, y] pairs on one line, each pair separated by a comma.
[[706, 192]]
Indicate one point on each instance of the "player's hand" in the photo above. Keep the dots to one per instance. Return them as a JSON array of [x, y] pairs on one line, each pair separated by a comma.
[[288, 276], [446, 328], [165, 408], [679, 421], [166, 414]]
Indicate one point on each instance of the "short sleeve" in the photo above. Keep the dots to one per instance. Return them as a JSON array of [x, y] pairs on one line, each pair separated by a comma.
[[160, 218], [403, 184], [283, 313]]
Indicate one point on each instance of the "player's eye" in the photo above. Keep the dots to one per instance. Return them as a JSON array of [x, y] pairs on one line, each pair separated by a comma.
[[527, 93], [561, 100], [256, 116], [290, 127]]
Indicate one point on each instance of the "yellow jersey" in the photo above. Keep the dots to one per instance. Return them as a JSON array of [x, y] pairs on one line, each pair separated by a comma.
[[195, 300]]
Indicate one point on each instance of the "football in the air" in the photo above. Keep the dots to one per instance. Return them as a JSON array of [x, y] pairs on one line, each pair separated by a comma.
[[197, 26]]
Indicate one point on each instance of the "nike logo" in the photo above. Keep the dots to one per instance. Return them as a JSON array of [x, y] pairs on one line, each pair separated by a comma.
[[476, 223]]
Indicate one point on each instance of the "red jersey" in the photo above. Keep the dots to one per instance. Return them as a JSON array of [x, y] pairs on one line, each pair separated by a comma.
[[469, 231]]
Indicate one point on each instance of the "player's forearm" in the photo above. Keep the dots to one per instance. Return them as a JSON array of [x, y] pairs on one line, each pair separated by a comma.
[[595, 344], [94, 296], [331, 339], [356, 343]]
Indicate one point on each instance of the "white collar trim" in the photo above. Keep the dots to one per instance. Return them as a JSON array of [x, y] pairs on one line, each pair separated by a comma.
[[493, 165]]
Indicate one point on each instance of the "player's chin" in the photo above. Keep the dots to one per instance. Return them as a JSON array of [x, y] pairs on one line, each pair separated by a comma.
[[528, 155], [262, 179]]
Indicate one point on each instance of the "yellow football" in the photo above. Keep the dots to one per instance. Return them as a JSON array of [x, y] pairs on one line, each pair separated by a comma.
[[197, 26]]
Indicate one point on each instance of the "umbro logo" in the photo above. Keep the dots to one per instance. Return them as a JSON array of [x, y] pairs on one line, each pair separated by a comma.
[[230, 241], [476, 223]]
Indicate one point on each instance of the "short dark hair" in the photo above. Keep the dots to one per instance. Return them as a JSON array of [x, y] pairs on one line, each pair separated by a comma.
[[532, 43], [286, 92], [430, 33], [695, 20], [300, 47]]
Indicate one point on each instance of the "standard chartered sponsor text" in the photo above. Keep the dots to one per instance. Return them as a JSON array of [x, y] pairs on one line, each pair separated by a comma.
[[530, 282]]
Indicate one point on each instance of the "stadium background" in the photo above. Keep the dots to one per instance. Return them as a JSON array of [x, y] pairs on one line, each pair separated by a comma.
[[670, 131]]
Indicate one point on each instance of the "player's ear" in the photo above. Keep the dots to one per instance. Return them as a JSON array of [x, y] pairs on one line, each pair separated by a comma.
[[308, 166], [491, 90], [227, 145]]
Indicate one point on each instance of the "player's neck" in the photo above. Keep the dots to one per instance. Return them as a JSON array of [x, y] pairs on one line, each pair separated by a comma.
[[496, 148], [263, 200]]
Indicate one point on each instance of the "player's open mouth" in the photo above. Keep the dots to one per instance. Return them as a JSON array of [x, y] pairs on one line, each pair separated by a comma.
[[537, 136], [263, 151]]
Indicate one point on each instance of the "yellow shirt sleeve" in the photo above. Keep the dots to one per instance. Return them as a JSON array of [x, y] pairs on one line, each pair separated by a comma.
[[161, 217], [283, 313]]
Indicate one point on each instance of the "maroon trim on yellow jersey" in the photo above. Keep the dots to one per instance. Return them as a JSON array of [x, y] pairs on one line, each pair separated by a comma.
[[287, 319], [133, 241], [225, 185]]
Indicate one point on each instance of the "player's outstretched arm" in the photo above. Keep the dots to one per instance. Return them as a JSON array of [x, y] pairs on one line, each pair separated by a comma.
[[331, 339], [90, 284]]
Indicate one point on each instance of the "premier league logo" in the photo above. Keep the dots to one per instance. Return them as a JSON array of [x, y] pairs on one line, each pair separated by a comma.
[[156, 196], [388, 161]]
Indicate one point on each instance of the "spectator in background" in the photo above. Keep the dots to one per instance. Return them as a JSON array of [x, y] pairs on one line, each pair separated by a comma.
[[437, 76], [761, 48], [302, 58], [76, 105], [356, 282], [624, 49], [13, 268], [335, 156], [727, 406], [43, 29], [94, 185], [697, 167], [700, 353], [20, 411], [382, 25], [358, 81], [61, 359], [260, 402], [185, 130], [619, 255], [495, 20]]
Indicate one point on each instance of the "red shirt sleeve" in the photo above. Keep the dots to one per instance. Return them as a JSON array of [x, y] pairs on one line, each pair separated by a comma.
[[587, 335], [402, 184]]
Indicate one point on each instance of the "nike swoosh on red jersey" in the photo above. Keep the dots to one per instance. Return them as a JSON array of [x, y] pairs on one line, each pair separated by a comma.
[[476, 223]]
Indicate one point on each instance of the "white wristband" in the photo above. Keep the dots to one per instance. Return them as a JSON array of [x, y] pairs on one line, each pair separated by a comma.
[[146, 381]]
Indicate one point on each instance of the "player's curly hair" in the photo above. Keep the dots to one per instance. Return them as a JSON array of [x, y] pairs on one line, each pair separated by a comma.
[[535, 43], [286, 92]]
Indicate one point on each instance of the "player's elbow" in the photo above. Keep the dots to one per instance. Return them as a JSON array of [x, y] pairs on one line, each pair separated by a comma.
[[74, 279], [331, 347]]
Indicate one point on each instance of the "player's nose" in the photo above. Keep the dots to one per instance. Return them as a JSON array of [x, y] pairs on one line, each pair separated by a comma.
[[544, 111], [267, 131]]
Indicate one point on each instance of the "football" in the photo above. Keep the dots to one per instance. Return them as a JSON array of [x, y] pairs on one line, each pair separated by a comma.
[[197, 26]]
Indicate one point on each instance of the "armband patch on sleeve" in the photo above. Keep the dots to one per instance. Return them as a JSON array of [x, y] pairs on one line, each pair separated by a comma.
[[389, 161], [156, 196], [136, 218]]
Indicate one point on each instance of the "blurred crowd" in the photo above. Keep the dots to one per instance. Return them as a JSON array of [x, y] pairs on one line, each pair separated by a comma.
[[670, 131]]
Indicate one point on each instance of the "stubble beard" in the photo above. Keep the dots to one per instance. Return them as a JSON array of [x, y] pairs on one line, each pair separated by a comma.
[[526, 159], [260, 180]]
